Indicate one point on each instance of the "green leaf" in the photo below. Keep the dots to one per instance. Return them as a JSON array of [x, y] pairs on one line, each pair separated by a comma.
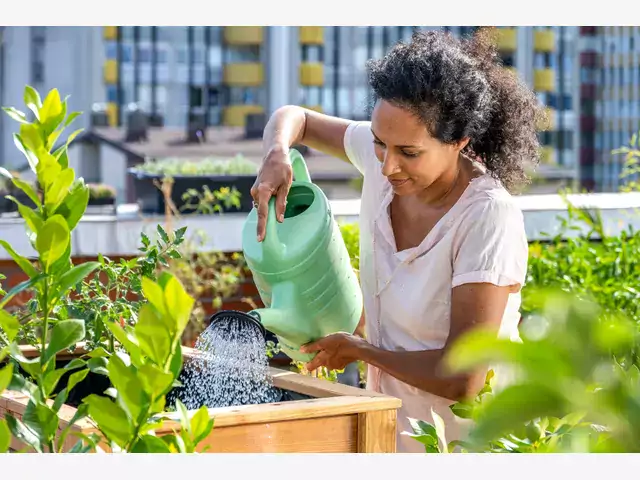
[[6, 373], [98, 352], [98, 365], [150, 444], [32, 218], [154, 294], [75, 363], [179, 304], [41, 419], [59, 188], [51, 110], [462, 410], [16, 115], [75, 276], [127, 341], [72, 116], [81, 412], [31, 137], [176, 361], [63, 335], [24, 264], [23, 433], [10, 325], [32, 100], [163, 234], [130, 394], [5, 436], [27, 189], [152, 335], [53, 240], [201, 425], [52, 378], [111, 419], [21, 287], [155, 382], [74, 205], [76, 378], [31, 157], [516, 405]]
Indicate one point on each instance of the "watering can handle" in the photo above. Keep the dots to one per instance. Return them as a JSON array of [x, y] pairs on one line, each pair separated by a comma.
[[299, 167], [271, 241]]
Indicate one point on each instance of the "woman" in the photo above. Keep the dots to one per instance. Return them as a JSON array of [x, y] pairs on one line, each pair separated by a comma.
[[443, 246]]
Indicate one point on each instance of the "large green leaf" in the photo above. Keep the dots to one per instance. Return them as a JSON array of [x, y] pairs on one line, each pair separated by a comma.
[[516, 405], [24, 263], [27, 189], [31, 157], [16, 115], [32, 100], [74, 276], [74, 205], [131, 396], [150, 444], [155, 382], [179, 304], [112, 420], [9, 324], [52, 112], [201, 425], [21, 287], [154, 294], [152, 335], [51, 379], [23, 433], [53, 240], [41, 419], [5, 436], [32, 218], [129, 342], [63, 335], [60, 188], [6, 373]]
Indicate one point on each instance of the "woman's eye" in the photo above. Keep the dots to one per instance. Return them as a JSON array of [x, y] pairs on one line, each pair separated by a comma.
[[379, 143], [411, 154]]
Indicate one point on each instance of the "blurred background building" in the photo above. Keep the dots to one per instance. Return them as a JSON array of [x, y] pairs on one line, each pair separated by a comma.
[[199, 78]]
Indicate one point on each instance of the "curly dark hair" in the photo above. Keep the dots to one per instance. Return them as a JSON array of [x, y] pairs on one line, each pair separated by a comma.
[[459, 88]]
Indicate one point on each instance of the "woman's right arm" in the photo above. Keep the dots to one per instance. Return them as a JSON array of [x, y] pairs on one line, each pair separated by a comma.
[[292, 125]]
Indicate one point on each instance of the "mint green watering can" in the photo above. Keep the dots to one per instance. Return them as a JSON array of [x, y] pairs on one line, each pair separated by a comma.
[[302, 268]]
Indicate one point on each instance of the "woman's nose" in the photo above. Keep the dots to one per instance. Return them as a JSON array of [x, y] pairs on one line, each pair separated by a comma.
[[389, 165]]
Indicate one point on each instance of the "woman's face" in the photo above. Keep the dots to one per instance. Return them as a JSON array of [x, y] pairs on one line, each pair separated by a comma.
[[412, 160]]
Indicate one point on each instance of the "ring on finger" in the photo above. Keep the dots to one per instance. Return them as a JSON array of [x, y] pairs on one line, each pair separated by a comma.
[[255, 204]]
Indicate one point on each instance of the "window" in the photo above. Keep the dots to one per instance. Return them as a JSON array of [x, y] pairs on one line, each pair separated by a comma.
[[143, 55], [37, 54], [127, 53], [111, 50], [112, 94]]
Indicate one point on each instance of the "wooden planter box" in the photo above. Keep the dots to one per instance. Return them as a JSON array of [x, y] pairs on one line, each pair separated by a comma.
[[338, 419]]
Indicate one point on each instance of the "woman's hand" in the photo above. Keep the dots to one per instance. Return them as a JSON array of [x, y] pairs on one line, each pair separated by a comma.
[[334, 351], [274, 178]]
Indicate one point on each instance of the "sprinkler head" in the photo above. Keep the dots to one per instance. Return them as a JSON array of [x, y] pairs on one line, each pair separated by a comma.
[[237, 316]]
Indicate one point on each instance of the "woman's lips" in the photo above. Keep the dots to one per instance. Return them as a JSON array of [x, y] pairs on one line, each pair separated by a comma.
[[398, 183]]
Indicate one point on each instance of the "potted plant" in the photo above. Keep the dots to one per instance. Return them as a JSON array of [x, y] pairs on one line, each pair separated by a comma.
[[190, 178], [101, 194]]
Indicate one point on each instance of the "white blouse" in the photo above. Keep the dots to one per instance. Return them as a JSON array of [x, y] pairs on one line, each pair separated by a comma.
[[407, 294]]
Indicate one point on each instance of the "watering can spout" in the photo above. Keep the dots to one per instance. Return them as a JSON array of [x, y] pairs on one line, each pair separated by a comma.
[[282, 320]]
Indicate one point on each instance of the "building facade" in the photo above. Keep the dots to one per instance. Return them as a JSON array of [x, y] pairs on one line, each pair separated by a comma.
[[588, 77]]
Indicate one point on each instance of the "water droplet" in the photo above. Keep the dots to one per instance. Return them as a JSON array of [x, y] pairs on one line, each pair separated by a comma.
[[231, 368]]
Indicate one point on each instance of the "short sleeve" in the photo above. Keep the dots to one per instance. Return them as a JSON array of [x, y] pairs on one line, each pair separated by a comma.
[[491, 245], [358, 145]]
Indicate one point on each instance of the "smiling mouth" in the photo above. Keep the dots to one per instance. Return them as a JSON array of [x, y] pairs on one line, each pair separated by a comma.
[[397, 183]]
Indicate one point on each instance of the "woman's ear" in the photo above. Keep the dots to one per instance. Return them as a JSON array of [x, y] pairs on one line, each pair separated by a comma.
[[462, 144]]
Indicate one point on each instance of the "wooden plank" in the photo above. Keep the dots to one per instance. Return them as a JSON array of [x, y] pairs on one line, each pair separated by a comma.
[[301, 409], [316, 387], [377, 431], [313, 435]]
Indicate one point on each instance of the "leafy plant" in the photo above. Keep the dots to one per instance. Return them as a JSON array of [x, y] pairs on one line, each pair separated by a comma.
[[174, 167], [57, 211], [144, 361], [143, 376], [101, 190]]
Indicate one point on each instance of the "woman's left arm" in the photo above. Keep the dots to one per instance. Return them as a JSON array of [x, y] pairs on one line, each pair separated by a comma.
[[472, 305]]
